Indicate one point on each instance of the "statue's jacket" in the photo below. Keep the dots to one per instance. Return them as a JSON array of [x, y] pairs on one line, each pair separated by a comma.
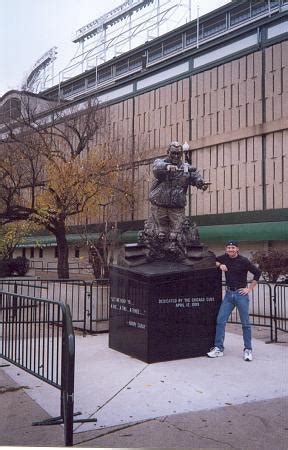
[[169, 188]]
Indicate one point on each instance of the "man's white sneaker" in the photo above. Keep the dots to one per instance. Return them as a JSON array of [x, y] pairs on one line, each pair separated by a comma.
[[215, 352], [247, 355]]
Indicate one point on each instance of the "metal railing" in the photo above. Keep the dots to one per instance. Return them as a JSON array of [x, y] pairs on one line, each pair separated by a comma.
[[280, 315], [261, 308], [51, 266], [267, 308], [89, 302], [37, 336], [99, 298]]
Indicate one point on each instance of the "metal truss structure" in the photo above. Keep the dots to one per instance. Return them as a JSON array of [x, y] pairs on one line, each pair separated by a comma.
[[132, 23], [42, 72]]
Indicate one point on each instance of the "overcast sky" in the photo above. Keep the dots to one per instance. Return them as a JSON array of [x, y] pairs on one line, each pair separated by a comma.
[[29, 28]]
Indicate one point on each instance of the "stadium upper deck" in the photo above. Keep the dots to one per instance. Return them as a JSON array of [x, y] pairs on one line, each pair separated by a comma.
[[235, 28]]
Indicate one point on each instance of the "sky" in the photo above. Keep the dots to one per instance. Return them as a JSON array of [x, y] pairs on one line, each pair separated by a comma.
[[29, 28]]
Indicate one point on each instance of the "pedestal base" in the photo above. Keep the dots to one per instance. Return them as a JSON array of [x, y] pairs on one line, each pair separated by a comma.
[[163, 311]]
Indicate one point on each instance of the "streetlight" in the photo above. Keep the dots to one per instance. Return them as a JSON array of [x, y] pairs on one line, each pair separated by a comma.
[[104, 205], [104, 237], [186, 149], [187, 157]]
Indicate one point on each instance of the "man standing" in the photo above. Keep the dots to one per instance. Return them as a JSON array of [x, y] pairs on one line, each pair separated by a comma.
[[235, 267]]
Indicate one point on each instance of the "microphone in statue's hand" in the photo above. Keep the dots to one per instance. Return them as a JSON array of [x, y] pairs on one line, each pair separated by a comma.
[[171, 167]]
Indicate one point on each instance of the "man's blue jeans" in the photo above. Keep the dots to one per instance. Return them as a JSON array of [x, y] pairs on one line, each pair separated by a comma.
[[231, 300]]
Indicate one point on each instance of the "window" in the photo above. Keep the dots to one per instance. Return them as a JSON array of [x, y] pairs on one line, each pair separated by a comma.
[[77, 252], [240, 13], [136, 61], [41, 252], [32, 252], [104, 74], [121, 67], [191, 37], [155, 52], [213, 26], [10, 110], [172, 45], [91, 80], [67, 90], [259, 7], [78, 85], [24, 252], [15, 108]]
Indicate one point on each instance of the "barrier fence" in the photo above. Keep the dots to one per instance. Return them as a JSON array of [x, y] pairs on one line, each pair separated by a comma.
[[75, 267], [280, 315], [89, 302], [37, 336], [262, 308]]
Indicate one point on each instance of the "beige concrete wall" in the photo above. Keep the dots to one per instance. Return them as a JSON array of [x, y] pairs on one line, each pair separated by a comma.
[[276, 81], [161, 116], [227, 98], [237, 118], [277, 169], [49, 261], [237, 115]]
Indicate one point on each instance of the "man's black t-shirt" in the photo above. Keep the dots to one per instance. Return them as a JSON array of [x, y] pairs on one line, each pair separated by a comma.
[[238, 267]]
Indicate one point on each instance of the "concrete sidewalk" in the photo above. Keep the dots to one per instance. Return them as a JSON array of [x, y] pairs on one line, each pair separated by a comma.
[[189, 403], [18, 411]]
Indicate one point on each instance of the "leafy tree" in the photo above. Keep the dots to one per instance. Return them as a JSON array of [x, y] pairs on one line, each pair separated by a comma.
[[12, 235], [273, 263], [52, 169], [102, 251]]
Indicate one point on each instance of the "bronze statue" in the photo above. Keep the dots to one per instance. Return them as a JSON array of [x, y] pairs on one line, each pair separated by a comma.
[[168, 234], [169, 189]]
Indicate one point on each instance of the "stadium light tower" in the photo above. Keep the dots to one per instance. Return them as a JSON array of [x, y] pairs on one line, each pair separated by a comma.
[[127, 26]]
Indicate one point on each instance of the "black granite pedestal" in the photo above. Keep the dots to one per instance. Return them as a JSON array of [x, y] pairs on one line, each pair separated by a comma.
[[163, 311]]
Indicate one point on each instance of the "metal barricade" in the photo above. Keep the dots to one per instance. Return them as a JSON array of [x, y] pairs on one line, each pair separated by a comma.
[[98, 312], [89, 301], [70, 292], [74, 294], [280, 299], [261, 308], [37, 336]]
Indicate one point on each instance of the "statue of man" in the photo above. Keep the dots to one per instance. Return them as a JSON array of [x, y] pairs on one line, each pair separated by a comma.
[[169, 189]]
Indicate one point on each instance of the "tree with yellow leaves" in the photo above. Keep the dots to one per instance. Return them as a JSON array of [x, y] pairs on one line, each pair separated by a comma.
[[52, 172], [13, 234]]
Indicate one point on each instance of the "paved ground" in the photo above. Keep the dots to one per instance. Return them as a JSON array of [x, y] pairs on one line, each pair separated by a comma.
[[259, 425], [190, 403], [17, 413]]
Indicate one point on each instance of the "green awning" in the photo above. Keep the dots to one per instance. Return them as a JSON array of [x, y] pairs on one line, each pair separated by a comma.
[[260, 231], [50, 240], [264, 231]]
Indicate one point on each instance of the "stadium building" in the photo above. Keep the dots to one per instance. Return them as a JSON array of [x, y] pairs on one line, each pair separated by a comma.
[[219, 83]]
